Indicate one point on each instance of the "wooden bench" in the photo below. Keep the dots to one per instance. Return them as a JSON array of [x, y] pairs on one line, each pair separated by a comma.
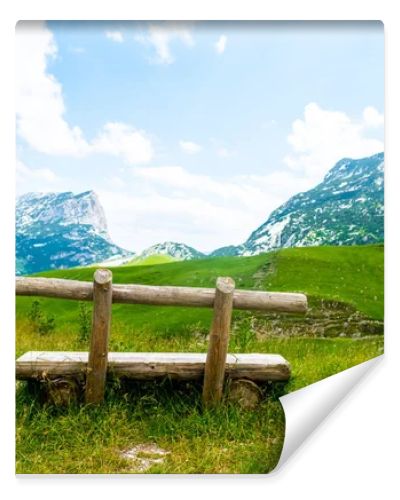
[[152, 365], [214, 366]]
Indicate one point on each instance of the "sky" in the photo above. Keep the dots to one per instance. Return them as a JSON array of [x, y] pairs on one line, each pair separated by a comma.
[[193, 132]]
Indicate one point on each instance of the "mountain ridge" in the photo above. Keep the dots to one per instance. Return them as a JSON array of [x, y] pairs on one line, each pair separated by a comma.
[[346, 208], [65, 229]]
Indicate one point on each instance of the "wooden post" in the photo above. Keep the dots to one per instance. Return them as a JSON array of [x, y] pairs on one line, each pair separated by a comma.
[[214, 371], [97, 363]]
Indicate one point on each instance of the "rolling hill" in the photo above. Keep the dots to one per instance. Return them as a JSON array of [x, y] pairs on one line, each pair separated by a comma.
[[339, 281]]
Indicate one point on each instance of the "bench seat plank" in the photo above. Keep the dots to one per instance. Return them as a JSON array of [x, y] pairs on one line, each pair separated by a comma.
[[150, 365]]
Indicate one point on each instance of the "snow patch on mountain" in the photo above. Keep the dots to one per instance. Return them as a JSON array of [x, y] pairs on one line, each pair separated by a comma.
[[270, 236]]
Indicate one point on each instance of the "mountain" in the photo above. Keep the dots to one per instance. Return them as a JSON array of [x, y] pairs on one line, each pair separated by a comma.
[[346, 208], [61, 230], [228, 251], [178, 251]]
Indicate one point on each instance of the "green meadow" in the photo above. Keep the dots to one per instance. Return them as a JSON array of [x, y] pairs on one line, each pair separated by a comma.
[[343, 327]]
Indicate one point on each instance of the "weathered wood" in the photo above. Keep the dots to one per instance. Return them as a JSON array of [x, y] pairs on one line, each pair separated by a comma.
[[214, 372], [40, 365], [61, 391], [162, 295], [54, 288], [244, 393], [97, 365]]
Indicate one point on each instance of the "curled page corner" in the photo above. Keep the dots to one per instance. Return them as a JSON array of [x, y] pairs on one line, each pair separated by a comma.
[[306, 408]]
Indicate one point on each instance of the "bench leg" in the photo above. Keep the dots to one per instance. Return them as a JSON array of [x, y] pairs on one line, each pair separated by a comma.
[[244, 393]]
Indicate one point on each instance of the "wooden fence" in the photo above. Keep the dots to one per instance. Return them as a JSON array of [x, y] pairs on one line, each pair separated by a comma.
[[222, 299]]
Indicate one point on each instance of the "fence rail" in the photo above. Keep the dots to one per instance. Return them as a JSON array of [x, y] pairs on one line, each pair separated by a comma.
[[162, 295]]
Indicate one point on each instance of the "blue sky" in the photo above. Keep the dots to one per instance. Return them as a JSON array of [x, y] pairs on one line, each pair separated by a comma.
[[193, 132]]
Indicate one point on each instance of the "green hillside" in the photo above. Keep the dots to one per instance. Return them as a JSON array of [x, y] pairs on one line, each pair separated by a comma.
[[342, 328], [151, 260], [344, 286], [351, 275]]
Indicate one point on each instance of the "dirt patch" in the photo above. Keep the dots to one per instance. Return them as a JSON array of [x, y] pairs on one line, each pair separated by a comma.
[[261, 274], [145, 455]]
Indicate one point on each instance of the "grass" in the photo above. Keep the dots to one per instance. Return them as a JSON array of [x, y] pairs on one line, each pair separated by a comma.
[[353, 275], [341, 283], [90, 440], [151, 260]]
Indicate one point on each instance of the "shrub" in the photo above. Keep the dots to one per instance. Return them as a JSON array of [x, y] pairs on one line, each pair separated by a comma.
[[41, 323], [35, 313], [46, 325]]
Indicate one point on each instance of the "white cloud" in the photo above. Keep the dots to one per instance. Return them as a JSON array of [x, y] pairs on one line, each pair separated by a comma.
[[35, 179], [116, 182], [39, 101], [161, 35], [172, 203], [115, 36], [45, 174], [323, 137], [190, 147], [248, 191], [41, 110], [119, 139], [220, 44], [372, 117]]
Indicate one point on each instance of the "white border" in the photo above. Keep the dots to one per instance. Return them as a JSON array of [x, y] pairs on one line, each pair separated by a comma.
[[350, 454]]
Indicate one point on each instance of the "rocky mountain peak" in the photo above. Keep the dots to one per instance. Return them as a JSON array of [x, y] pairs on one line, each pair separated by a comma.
[[179, 251], [61, 230], [346, 208], [61, 209]]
